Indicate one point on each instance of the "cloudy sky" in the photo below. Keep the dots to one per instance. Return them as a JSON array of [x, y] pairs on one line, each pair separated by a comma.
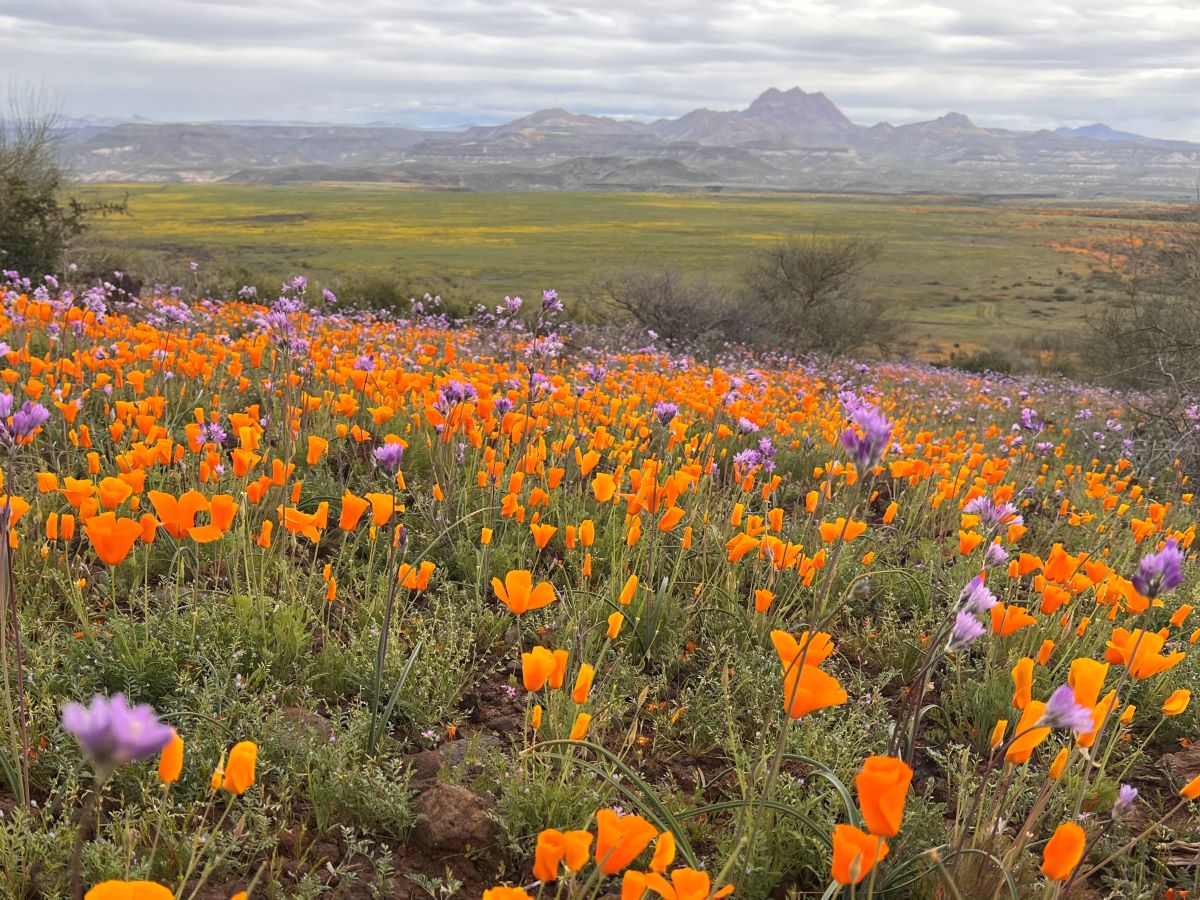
[[1134, 64]]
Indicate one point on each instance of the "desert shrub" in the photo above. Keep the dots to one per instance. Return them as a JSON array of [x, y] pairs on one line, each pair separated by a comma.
[[805, 295], [982, 361], [391, 291], [680, 310], [1148, 339]]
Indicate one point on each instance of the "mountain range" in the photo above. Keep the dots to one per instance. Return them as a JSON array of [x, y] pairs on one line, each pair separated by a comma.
[[784, 140]]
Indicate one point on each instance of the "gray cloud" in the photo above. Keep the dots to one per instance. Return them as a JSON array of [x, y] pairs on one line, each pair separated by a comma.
[[1020, 63]]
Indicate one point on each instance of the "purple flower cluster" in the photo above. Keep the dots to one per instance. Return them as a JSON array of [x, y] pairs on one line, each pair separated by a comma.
[[666, 411], [992, 514], [455, 392], [18, 427], [388, 457], [976, 598], [112, 732], [973, 602], [510, 307], [1063, 712], [213, 433], [866, 443], [967, 630], [1159, 572], [1127, 795], [1030, 421], [753, 458]]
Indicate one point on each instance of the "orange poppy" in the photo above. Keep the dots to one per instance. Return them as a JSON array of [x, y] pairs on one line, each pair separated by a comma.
[[113, 492], [603, 487], [1027, 737], [819, 647], [628, 591], [855, 854], [316, 449], [807, 689], [882, 787], [1063, 851], [239, 768], [170, 762], [583, 684], [554, 847], [536, 667], [686, 884], [580, 728], [129, 890], [352, 510], [619, 839], [1022, 676], [1140, 652], [559, 675], [841, 529], [518, 593], [614, 626], [664, 852], [178, 515], [1008, 619], [112, 537], [542, 534], [504, 892]]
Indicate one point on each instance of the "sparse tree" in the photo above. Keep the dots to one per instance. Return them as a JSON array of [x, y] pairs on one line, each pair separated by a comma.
[[1148, 338], [681, 311], [807, 292], [36, 223]]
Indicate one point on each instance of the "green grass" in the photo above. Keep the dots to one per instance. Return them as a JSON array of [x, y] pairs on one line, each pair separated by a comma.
[[965, 271]]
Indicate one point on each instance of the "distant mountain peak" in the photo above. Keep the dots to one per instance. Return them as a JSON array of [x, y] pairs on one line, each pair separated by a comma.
[[774, 96], [795, 102], [1098, 131], [956, 120]]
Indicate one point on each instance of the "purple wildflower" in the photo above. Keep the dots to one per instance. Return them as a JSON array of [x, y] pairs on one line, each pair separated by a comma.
[[1063, 712], [29, 419], [550, 301], [867, 443], [967, 630], [996, 555], [1030, 421], [511, 306], [550, 345], [975, 598], [455, 392], [213, 433], [18, 427], [1159, 572], [992, 514], [388, 457], [111, 732], [1127, 795], [666, 411]]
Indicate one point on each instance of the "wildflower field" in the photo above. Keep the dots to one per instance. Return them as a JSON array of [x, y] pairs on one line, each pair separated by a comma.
[[303, 603], [963, 270]]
